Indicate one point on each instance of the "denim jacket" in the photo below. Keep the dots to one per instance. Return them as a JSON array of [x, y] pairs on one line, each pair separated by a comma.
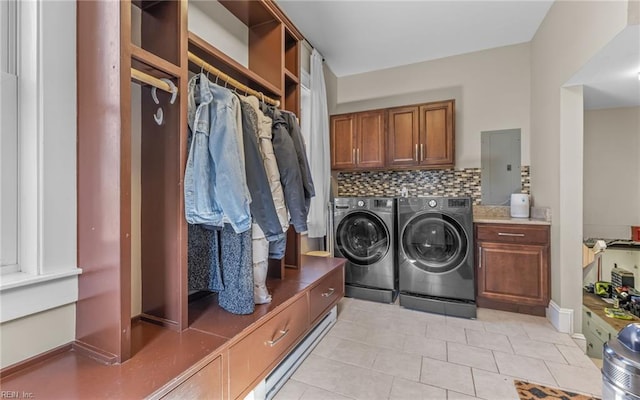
[[215, 186]]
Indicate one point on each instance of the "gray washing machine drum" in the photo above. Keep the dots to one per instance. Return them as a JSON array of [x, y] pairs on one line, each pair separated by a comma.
[[363, 238], [434, 242]]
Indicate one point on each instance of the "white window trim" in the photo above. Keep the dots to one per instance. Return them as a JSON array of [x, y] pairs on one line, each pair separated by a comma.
[[34, 286], [8, 141]]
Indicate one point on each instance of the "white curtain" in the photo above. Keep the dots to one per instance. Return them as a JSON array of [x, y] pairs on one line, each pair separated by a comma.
[[318, 150]]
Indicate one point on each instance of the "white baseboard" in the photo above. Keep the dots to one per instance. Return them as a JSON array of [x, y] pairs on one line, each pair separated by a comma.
[[560, 318], [581, 341]]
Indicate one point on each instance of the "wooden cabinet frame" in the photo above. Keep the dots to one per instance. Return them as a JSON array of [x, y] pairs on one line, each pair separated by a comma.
[[106, 55]]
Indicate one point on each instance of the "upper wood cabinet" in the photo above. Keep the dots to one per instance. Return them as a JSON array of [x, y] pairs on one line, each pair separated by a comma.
[[403, 136], [357, 140], [421, 136]]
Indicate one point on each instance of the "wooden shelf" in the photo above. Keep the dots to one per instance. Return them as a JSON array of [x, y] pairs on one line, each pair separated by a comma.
[[218, 59], [148, 62], [251, 13], [290, 77], [145, 4]]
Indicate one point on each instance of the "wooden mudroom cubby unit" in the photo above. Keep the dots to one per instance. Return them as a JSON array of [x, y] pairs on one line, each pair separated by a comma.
[[153, 37]]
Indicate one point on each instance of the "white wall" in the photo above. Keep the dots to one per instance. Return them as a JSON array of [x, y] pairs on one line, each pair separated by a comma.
[[571, 33], [611, 172], [29, 336], [215, 24], [491, 88]]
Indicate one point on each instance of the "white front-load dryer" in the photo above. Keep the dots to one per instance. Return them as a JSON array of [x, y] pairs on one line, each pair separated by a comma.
[[365, 237]]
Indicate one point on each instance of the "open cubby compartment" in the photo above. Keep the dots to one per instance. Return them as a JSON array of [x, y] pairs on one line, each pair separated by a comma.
[[216, 58], [148, 19], [291, 55], [291, 95], [266, 33]]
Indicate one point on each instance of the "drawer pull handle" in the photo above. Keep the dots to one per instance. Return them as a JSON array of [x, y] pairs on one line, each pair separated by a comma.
[[511, 234], [591, 345], [328, 292], [589, 313], [272, 343], [479, 257], [598, 332], [416, 152]]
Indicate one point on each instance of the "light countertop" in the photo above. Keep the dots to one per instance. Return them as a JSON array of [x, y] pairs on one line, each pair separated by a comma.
[[502, 215], [510, 220]]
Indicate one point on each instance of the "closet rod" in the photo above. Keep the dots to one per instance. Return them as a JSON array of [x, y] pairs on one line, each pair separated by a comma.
[[151, 80], [243, 88]]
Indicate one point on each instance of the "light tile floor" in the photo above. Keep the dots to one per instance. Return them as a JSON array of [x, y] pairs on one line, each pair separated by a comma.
[[383, 351]]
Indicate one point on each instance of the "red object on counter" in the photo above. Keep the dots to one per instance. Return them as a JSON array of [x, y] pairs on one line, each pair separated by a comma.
[[635, 233]]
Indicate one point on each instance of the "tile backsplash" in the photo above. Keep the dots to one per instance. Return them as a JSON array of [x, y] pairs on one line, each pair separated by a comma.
[[446, 182]]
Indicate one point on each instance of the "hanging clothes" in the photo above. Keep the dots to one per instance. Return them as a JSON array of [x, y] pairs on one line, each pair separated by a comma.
[[262, 206], [298, 143], [217, 196], [267, 225], [215, 187], [270, 164], [290, 176], [203, 259], [237, 271]]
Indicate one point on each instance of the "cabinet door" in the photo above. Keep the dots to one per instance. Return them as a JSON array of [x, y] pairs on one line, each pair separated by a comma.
[[436, 144], [402, 139], [513, 273], [370, 139], [343, 146]]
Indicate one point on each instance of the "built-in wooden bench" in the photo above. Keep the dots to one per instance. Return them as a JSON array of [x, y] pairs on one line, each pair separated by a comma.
[[220, 355]]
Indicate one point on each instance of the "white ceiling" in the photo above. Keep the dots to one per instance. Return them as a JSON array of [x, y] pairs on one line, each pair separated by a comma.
[[364, 35], [361, 36]]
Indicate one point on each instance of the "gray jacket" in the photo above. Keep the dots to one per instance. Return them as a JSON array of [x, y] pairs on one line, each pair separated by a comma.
[[262, 207], [289, 168], [298, 143]]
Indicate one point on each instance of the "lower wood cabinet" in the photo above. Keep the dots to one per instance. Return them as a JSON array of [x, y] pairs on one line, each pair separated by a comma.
[[512, 267], [204, 384], [329, 290], [264, 347]]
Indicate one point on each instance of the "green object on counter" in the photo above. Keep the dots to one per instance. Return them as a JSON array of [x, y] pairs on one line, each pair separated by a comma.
[[602, 288], [617, 313]]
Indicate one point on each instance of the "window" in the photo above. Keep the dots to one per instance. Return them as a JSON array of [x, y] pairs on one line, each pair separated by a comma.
[[39, 268], [8, 137]]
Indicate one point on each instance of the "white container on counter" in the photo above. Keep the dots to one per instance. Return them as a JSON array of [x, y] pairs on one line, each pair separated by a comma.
[[520, 205]]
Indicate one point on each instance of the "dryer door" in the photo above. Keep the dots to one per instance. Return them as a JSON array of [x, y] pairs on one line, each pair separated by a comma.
[[362, 238], [434, 242]]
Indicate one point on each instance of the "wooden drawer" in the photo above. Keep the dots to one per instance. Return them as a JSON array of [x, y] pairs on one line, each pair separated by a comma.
[[600, 329], [328, 291], [252, 357], [204, 384], [512, 233], [594, 345]]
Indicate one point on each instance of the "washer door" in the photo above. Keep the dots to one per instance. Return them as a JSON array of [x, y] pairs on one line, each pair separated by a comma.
[[434, 242], [362, 238]]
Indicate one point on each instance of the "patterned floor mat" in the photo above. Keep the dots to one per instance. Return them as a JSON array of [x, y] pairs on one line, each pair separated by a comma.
[[532, 391]]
